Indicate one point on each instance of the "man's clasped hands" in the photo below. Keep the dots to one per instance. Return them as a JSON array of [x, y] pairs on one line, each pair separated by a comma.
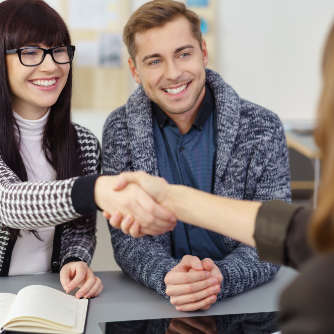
[[141, 208]]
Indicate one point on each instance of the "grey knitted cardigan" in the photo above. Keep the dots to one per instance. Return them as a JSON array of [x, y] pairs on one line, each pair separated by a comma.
[[251, 163], [25, 205]]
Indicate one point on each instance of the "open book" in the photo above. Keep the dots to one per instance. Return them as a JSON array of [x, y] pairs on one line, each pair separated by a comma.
[[40, 309]]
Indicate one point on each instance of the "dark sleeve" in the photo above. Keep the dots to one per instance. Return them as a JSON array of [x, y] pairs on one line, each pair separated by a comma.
[[306, 305], [281, 233], [83, 194]]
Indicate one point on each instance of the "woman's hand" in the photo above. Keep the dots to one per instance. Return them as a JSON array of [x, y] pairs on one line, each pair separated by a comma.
[[77, 275]]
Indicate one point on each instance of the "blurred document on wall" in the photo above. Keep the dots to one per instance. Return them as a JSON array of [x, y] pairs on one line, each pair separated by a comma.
[[105, 51], [92, 14], [110, 50]]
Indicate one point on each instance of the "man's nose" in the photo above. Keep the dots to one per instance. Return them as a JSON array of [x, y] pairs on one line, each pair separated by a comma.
[[172, 71]]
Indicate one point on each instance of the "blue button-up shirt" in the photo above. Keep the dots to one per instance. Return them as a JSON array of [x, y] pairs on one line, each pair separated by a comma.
[[189, 159]]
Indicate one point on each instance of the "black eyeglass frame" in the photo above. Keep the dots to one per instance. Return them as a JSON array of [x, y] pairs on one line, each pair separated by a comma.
[[70, 51]]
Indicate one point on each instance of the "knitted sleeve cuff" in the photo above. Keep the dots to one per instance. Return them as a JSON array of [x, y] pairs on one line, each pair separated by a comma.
[[83, 194], [71, 259]]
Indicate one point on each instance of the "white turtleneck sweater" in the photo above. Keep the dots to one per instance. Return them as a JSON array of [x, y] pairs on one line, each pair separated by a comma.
[[30, 255]]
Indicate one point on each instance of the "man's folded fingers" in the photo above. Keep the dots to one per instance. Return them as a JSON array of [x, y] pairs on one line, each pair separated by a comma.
[[194, 297], [202, 304], [174, 277]]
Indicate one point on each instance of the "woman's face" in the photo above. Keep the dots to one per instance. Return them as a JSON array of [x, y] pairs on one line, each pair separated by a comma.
[[35, 89]]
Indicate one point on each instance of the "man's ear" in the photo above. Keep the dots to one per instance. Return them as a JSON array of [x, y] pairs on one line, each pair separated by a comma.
[[205, 53], [133, 70]]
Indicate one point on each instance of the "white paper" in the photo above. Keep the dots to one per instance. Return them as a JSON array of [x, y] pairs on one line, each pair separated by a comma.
[[49, 304], [6, 300], [42, 310], [92, 14]]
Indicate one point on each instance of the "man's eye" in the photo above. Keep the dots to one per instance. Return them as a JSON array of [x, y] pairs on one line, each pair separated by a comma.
[[154, 62], [185, 54]]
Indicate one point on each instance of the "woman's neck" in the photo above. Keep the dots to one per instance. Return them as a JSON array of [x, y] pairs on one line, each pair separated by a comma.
[[30, 112]]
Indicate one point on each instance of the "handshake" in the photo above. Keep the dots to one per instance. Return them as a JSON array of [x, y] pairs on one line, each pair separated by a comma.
[[140, 204], [136, 203]]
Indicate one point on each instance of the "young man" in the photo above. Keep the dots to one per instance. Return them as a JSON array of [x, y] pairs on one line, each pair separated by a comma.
[[187, 125]]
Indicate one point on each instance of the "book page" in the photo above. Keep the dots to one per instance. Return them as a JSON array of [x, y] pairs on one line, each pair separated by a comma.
[[6, 300], [46, 303], [42, 326]]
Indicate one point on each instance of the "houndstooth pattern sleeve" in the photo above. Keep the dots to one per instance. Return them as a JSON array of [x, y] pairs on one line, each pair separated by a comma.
[[31, 205]]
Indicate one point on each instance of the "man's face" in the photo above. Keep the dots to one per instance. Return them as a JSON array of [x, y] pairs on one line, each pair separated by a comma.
[[170, 65]]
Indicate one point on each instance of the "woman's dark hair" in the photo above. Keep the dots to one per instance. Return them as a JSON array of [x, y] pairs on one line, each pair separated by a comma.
[[24, 22]]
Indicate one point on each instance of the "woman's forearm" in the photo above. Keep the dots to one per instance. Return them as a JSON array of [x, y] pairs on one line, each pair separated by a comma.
[[233, 218]]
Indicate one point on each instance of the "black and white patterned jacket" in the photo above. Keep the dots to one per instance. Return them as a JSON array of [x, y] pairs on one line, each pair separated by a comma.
[[28, 206]]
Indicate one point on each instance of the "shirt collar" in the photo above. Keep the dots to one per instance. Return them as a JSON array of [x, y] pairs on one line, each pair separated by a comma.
[[206, 108], [31, 127]]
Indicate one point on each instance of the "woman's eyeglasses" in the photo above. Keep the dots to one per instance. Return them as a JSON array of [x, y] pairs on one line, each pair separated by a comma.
[[34, 55]]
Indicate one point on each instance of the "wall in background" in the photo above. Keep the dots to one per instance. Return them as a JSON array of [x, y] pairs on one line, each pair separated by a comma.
[[270, 51], [101, 76]]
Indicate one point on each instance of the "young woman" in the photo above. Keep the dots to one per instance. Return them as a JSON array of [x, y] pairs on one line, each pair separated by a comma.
[[45, 224], [283, 233], [38, 142]]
